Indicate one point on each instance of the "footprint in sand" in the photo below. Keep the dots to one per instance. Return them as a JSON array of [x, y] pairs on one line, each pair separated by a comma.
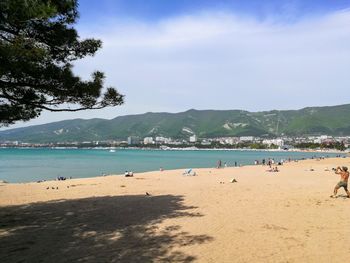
[[274, 227]]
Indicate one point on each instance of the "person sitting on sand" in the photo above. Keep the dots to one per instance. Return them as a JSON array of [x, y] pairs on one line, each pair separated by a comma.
[[129, 174], [344, 176], [61, 178]]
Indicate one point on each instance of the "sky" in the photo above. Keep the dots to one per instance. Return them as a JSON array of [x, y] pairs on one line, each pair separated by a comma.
[[175, 55]]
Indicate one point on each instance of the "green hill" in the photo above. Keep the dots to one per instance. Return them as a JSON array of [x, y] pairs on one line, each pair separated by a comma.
[[334, 120]]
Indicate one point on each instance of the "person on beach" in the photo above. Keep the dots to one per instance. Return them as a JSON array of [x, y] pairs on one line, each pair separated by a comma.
[[129, 174], [218, 164], [344, 177]]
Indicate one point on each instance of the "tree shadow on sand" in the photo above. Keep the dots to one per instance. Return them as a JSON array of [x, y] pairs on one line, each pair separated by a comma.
[[99, 229]]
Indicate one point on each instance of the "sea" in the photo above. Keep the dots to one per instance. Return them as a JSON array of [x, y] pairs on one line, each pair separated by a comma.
[[19, 165]]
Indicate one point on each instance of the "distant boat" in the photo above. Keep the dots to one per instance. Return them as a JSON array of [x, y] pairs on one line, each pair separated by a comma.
[[112, 151]]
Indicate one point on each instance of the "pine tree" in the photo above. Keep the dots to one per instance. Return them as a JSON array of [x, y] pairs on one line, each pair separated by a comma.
[[38, 44]]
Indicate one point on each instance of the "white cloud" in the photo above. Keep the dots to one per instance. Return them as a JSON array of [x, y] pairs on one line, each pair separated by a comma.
[[221, 61]]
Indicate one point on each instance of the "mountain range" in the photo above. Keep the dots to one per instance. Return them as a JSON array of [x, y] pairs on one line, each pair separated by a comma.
[[330, 120]]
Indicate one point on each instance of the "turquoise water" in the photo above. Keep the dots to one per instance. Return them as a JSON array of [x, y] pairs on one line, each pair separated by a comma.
[[26, 165]]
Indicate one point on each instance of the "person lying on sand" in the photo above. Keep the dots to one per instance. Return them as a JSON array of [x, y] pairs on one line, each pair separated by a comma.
[[189, 172], [344, 177]]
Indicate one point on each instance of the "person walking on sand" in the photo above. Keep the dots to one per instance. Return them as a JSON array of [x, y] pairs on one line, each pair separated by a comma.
[[344, 177]]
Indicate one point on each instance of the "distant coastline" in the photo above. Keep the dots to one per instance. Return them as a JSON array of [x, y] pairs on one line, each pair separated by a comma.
[[179, 149]]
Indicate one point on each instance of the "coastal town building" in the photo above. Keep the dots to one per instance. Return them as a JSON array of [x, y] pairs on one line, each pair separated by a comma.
[[193, 138], [160, 139], [231, 140], [206, 142], [148, 140], [246, 138], [286, 143], [132, 140], [278, 142]]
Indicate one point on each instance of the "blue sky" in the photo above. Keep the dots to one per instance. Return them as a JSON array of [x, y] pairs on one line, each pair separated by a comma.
[[152, 10], [172, 56]]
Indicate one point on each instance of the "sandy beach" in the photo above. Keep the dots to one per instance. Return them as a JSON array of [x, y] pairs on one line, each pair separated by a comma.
[[168, 217]]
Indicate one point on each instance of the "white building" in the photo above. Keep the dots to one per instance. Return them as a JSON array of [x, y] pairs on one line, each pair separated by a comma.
[[193, 138], [246, 138], [269, 142], [160, 139], [206, 142], [322, 138], [231, 140], [148, 140], [130, 140], [317, 140]]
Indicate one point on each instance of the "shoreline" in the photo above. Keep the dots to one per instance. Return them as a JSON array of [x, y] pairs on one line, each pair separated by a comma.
[[247, 166]]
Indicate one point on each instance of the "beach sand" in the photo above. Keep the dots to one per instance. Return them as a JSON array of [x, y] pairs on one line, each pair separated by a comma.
[[264, 217]]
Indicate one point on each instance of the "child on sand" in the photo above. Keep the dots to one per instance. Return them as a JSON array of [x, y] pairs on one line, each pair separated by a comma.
[[344, 176]]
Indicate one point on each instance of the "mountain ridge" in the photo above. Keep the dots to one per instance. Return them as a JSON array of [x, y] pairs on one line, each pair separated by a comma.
[[331, 120]]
